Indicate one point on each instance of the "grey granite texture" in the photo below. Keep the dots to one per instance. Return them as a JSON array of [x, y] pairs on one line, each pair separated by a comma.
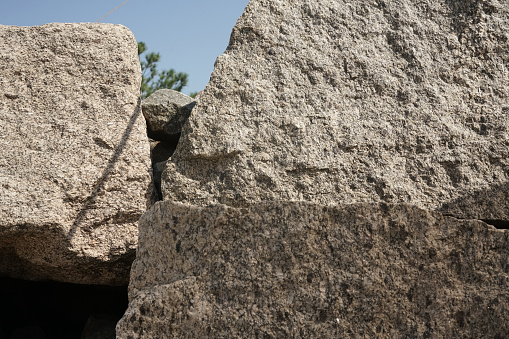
[[302, 270]]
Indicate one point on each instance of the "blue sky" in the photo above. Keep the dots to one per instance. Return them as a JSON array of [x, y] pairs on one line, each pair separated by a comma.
[[190, 34]]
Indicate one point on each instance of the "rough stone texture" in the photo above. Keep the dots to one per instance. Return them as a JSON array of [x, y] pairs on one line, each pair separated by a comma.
[[166, 111], [75, 159], [300, 270], [388, 120], [354, 101]]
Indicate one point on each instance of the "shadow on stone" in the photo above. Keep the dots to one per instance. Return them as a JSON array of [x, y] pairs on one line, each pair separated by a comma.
[[160, 152], [490, 205], [99, 185]]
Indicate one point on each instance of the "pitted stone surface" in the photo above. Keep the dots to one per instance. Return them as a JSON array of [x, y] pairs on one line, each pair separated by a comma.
[[354, 101], [305, 196], [300, 270], [75, 159]]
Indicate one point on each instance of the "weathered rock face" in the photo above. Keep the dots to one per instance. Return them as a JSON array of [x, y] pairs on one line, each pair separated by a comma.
[[166, 112], [299, 270], [354, 101], [381, 117], [74, 161]]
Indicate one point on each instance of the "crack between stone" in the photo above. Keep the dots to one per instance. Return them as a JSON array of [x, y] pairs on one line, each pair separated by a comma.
[[497, 223]]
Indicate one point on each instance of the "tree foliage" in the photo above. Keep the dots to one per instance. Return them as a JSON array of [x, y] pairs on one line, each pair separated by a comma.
[[152, 79]]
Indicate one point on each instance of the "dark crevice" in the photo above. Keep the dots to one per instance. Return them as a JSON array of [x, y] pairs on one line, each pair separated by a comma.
[[500, 224], [164, 139], [160, 136], [47, 310], [160, 152]]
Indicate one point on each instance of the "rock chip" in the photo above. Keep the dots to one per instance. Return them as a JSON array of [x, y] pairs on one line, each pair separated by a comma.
[[353, 101], [302, 270], [166, 111], [75, 159]]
